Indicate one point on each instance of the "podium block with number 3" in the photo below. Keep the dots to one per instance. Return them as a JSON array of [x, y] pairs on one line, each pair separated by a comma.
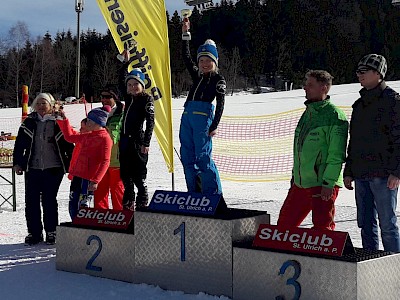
[[262, 275]]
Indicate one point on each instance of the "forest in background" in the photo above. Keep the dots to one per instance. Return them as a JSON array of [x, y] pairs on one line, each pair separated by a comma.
[[260, 43]]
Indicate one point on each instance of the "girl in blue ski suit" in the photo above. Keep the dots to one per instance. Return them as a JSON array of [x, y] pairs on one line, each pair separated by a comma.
[[198, 123]]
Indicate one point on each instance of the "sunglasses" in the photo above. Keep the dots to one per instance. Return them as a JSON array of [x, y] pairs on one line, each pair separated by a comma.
[[106, 96], [363, 70]]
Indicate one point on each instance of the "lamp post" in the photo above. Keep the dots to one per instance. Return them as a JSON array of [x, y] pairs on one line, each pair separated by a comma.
[[78, 9]]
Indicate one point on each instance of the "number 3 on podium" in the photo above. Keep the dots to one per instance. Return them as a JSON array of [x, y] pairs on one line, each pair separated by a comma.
[[292, 280]]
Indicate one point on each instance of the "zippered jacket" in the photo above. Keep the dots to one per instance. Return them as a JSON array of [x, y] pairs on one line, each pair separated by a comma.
[[206, 87], [319, 148], [24, 144], [93, 158], [138, 109], [374, 146]]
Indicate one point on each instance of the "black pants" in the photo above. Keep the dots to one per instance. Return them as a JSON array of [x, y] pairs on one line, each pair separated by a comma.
[[133, 168], [42, 186]]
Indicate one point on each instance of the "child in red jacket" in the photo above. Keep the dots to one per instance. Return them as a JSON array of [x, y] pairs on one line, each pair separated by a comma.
[[92, 156], [75, 153]]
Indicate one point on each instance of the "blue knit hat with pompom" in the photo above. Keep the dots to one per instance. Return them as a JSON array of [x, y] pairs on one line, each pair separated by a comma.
[[136, 74], [99, 115], [209, 49]]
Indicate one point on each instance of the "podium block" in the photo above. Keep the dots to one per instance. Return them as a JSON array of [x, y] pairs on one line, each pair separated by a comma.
[[263, 274], [190, 253], [101, 253]]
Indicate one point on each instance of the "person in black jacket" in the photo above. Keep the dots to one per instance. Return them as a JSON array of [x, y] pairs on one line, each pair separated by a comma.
[[134, 142], [198, 123], [43, 154], [373, 160]]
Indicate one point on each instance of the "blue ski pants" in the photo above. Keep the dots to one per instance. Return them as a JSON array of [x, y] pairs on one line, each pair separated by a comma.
[[196, 147]]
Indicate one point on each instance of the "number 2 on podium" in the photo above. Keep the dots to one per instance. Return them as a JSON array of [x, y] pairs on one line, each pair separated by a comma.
[[89, 265], [181, 230]]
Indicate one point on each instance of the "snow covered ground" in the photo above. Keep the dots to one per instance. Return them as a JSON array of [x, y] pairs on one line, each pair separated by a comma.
[[29, 272]]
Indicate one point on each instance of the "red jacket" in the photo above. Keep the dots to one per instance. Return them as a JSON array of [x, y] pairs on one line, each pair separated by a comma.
[[92, 156]]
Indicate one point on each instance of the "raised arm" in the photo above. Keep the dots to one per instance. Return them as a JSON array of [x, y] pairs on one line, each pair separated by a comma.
[[70, 135], [191, 66]]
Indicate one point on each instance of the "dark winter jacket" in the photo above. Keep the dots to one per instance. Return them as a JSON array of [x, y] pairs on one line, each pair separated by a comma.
[[205, 88], [138, 109], [24, 144], [374, 147]]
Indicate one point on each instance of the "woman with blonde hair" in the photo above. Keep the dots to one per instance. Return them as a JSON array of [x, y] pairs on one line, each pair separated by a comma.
[[44, 155], [199, 122]]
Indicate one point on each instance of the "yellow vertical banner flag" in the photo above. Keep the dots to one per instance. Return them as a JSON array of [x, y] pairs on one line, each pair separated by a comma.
[[141, 26]]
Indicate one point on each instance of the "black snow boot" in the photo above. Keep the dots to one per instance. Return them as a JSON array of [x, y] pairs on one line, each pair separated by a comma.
[[142, 195], [31, 239], [51, 238], [128, 200]]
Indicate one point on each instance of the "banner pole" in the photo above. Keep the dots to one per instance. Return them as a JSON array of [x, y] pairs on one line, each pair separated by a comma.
[[25, 100]]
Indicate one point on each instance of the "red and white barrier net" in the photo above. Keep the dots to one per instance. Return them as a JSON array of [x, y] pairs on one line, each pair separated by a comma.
[[253, 148], [9, 128], [257, 148], [77, 112]]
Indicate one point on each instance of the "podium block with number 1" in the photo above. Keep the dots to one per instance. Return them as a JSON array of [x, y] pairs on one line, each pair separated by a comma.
[[190, 253]]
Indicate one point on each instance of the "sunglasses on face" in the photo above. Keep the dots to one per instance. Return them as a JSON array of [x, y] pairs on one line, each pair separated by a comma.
[[361, 71], [106, 96]]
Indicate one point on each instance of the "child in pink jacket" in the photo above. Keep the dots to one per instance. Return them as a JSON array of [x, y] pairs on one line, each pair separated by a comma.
[[92, 156]]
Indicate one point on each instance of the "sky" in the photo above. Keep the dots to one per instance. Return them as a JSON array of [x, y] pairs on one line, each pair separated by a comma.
[[28, 272], [58, 15]]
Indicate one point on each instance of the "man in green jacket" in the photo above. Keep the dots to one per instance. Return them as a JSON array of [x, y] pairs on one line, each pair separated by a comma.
[[319, 150]]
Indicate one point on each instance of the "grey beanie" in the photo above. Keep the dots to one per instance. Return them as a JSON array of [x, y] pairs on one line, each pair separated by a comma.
[[374, 61]]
